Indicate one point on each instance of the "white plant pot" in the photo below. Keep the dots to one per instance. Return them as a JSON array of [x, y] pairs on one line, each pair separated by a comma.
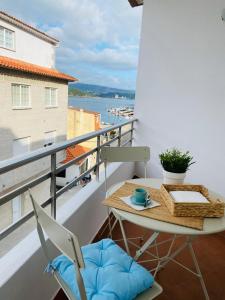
[[173, 178]]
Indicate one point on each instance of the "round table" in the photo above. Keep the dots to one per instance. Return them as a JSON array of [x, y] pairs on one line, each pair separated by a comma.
[[211, 225]]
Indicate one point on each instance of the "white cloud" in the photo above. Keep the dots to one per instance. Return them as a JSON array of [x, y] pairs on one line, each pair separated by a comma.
[[102, 33], [107, 58]]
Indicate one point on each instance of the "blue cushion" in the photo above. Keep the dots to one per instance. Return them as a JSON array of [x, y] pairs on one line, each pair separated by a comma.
[[109, 273]]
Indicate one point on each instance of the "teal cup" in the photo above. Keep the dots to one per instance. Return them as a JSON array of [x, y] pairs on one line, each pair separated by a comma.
[[140, 195]]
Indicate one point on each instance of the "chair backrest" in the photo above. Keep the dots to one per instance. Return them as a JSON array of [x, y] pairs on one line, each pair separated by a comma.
[[63, 239], [124, 154]]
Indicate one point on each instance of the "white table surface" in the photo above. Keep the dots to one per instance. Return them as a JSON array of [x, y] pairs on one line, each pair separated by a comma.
[[211, 225]]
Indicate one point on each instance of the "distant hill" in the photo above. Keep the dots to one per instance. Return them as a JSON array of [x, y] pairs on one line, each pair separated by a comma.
[[91, 90]]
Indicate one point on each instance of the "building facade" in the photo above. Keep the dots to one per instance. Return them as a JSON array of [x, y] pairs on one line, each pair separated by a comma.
[[180, 86], [33, 105], [80, 121], [21, 41]]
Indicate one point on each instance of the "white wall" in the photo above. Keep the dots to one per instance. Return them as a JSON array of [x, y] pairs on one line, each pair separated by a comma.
[[29, 48], [21, 276], [20, 123], [181, 85]]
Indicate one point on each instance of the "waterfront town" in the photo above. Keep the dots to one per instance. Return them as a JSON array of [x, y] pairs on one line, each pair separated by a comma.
[[111, 150]]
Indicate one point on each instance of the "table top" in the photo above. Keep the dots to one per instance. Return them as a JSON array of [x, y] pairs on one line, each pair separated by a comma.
[[211, 225]]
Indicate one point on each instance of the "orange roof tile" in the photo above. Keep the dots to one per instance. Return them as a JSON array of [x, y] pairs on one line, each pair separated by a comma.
[[76, 151], [19, 65]]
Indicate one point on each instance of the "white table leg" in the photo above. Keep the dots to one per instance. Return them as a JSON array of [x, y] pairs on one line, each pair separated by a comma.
[[198, 270], [146, 245], [171, 257], [124, 235], [109, 222]]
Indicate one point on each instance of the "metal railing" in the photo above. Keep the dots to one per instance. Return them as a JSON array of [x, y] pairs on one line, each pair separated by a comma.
[[15, 163]]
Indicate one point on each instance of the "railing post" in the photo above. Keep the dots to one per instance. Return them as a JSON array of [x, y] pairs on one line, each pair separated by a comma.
[[53, 185], [132, 133], [119, 139], [50, 152], [98, 156]]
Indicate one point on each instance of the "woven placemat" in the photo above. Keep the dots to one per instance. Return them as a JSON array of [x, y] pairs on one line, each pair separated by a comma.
[[160, 213]]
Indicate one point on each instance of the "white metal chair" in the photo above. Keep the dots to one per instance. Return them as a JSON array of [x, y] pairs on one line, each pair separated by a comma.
[[67, 243], [123, 154]]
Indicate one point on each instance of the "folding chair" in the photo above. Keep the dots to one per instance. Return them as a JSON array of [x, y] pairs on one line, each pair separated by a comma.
[[82, 261], [123, 154]]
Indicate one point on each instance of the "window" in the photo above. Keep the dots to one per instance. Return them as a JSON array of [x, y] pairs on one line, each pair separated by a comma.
[[7, 38], [49, 138], [50, 97], [62, 174], [20, 96]]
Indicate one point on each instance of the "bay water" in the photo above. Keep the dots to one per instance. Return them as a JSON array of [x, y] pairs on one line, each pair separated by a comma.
[[102, 105]]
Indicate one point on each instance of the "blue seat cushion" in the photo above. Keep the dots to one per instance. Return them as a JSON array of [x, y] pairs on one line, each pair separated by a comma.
[[109, 273]]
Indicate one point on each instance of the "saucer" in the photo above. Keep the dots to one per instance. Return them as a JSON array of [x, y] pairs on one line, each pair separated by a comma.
[[133, 201]]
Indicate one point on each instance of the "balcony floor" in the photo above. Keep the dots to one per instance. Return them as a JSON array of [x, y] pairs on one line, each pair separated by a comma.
[[177, 283]]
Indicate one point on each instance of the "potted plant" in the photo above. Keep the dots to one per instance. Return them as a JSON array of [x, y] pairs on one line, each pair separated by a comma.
[[112, 134], [175, 165]]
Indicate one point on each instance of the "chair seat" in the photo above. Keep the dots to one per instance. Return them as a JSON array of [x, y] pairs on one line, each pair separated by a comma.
[[109, 273]]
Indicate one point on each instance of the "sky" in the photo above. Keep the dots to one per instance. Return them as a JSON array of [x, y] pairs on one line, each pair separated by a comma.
[[99, 39]]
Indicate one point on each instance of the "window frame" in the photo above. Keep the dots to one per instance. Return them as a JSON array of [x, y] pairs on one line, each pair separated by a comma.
[[20, 93], [4, 39], [50, 100]]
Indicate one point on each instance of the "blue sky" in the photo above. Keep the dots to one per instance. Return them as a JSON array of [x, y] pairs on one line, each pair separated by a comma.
[[99, 39]]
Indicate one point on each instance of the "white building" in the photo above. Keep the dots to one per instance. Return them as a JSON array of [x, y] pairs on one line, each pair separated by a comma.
[[179, 102], [33, 101], [180, 86], [21, 41]]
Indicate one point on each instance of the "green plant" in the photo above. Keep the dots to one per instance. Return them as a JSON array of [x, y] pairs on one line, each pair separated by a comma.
[[112, 132], [176, 161]]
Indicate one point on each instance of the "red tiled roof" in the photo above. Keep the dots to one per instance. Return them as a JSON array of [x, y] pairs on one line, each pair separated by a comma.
[[76, 151], [17, 22], [19, 65]]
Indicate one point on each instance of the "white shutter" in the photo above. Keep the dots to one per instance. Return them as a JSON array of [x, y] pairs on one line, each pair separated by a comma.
[[20, 146], [50, 137], [24, 95], [20, 95], [50, 96], [47, 97], [6, 38], [16, 95], [1, 37], [9, 39], [53, 97]]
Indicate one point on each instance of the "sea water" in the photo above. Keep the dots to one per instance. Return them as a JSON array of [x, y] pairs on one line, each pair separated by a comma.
[[102, 105]]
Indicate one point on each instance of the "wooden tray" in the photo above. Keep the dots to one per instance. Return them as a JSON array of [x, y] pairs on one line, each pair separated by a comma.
[[214, 209], [160, 213]]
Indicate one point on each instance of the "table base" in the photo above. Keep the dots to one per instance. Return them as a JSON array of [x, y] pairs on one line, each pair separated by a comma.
[[170, 256]]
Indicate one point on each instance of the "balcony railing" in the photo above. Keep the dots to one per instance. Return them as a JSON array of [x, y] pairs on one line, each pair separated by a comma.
[[15, 163]]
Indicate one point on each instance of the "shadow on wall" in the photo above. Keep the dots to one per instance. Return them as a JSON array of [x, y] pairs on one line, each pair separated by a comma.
[[12, 146]]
